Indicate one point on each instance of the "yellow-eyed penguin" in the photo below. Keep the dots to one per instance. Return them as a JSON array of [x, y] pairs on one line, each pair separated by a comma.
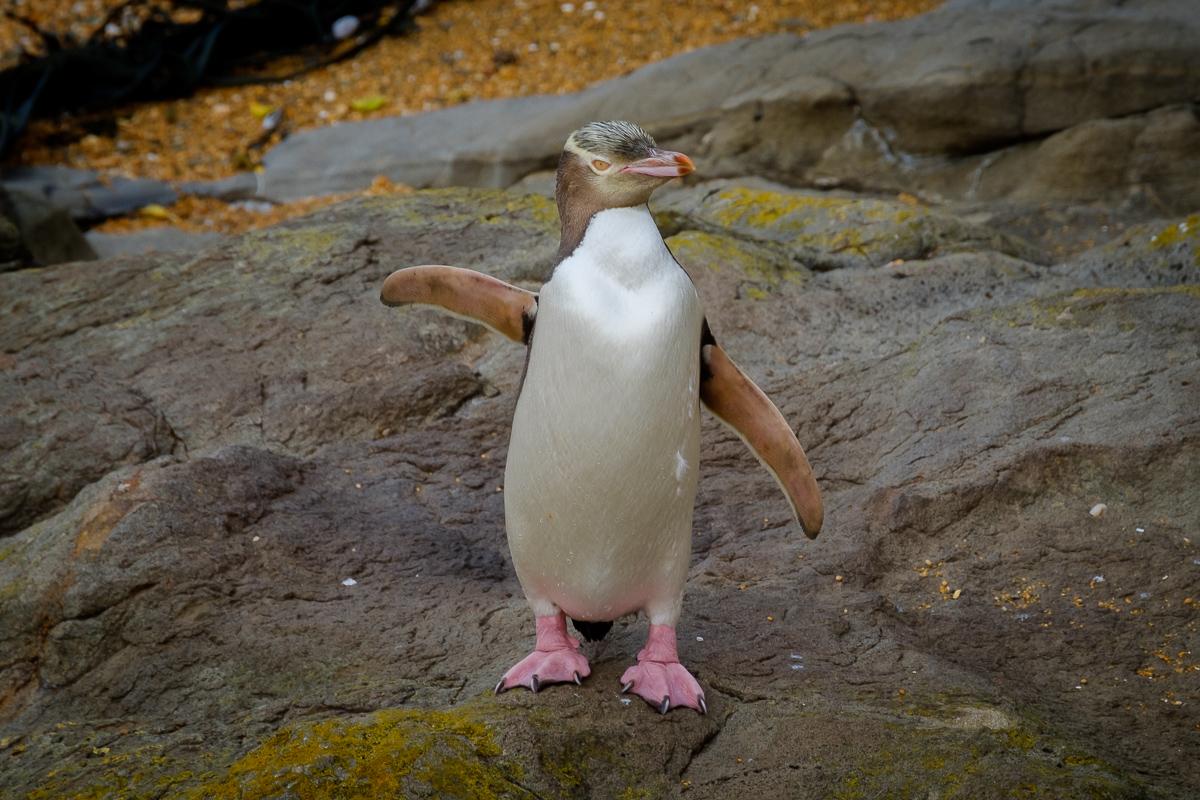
[[602, 462]]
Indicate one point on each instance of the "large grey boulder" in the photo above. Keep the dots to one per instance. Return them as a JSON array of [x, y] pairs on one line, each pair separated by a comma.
[[1089, 99], [207, 448]]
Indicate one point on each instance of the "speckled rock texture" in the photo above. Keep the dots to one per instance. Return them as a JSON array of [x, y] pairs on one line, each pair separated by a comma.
[[253, 534], [1026, 101]]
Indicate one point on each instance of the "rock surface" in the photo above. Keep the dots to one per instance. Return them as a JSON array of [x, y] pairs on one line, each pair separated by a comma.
[[1073, 101], [255, 535]]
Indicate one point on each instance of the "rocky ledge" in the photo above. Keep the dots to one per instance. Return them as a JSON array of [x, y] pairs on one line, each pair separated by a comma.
[[252, 533]]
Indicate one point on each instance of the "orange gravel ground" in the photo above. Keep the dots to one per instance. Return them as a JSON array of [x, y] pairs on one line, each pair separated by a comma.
[[462, 50]]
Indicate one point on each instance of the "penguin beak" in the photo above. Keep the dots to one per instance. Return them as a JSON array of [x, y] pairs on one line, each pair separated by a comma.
[[662, 164]]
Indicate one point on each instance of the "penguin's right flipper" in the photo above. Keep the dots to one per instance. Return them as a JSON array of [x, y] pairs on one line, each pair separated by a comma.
[[741, 405], [506, 309]]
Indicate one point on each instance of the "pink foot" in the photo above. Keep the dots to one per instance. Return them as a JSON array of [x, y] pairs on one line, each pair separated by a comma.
[[659, 678], [554, 659]]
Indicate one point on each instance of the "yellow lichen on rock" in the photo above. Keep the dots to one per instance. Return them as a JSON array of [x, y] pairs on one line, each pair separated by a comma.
[[1176, 233], [762, 268], [709, 250], [819, 230], [758, 208], [540, 207], [1161, 242], [392, 753], [741, 206]]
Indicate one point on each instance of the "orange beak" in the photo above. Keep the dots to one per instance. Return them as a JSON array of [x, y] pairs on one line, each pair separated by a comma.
[[662, 164]]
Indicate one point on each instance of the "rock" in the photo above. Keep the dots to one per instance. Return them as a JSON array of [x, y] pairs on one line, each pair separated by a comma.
[[1150, 159], [982, 101], [439, 149], [205, 447], [163, 239], [94, 421], [536, 183], [86, 195], [242, 186], [46, 234]]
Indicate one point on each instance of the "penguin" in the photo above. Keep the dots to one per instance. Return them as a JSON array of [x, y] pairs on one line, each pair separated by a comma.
[[600, 481]]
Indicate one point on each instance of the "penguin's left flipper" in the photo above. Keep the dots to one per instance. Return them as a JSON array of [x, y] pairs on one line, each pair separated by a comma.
[[506, 309], [741, 405]]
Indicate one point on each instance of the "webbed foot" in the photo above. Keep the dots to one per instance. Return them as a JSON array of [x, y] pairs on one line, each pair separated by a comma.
[[555, 659], [659, 678]]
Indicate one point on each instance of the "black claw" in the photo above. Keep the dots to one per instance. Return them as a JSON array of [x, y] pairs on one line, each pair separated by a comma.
[[625, 689], [666, 705], [703, 705], [500, 686], [534, 684], [578, 682]]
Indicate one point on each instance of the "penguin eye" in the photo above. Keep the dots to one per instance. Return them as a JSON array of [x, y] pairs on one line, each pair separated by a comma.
[[600, 165]]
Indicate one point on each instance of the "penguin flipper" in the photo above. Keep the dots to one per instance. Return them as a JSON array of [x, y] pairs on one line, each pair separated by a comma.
[[506, 309], [740, 404]]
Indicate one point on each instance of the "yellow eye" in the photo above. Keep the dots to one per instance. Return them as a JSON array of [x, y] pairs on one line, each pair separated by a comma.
[[600, 165]]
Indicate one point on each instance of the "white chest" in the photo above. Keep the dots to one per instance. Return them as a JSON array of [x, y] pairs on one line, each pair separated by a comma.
[[621, 284]]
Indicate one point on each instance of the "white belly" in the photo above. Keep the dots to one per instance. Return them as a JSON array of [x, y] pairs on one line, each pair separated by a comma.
[[602, 464]]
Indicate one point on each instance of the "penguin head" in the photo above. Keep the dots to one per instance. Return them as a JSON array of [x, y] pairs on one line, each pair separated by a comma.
[[614, 164]]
